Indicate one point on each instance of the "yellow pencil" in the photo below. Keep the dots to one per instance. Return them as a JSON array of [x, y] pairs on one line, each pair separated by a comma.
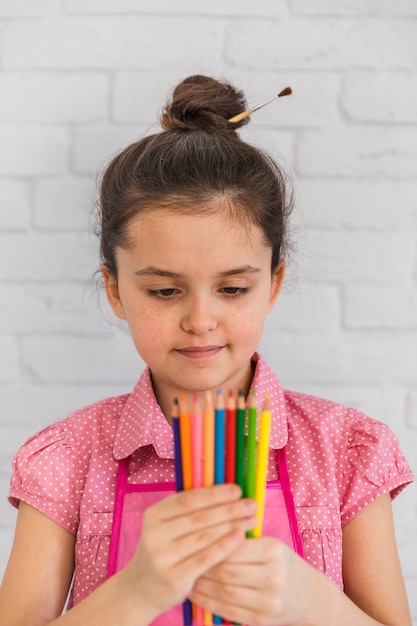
[[262, 464]]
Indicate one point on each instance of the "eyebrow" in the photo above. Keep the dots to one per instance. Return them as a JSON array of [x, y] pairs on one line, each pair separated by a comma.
[[156, 271]]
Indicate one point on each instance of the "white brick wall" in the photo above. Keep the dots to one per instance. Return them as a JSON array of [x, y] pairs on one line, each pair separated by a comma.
[[81, 78]]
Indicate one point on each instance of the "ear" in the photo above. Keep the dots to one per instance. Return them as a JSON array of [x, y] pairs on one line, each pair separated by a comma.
[[112, 292], [276, 284]]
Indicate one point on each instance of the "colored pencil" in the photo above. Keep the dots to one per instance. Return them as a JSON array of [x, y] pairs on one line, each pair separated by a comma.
[[185, 432], [208, 463], [208, 441], [197, 443], [230, 437], [197, 467], [219, 436], [251, 446], [187, 605], [240, 441], [262, 464], [251, 450], [219, 468]]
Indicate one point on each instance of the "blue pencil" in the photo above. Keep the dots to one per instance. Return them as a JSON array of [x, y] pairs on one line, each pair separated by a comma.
[[187, 606], [219, 452], [219, 439]]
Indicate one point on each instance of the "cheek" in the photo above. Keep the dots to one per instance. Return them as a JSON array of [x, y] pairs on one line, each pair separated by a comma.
[[149, 327], [249, 321]]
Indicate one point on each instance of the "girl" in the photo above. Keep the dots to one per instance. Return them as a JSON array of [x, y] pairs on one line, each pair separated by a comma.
[[193, 236]]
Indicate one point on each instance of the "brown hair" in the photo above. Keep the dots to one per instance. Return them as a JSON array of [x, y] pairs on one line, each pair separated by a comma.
[[197, 158]]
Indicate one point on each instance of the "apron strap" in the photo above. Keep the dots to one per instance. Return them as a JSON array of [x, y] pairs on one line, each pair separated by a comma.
[[121, 483], [289, 501]]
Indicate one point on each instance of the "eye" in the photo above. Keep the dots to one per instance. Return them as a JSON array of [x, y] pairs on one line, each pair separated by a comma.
[[163, 294], [234, 292]]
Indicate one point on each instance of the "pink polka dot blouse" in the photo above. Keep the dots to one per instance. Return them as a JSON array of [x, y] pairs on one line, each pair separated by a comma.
[[339, 461]]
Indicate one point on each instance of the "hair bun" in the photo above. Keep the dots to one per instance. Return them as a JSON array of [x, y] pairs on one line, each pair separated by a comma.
[[203, 103]]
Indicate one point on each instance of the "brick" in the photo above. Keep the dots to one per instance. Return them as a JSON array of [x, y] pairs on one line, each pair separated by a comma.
[[139, 97], [42, 257], [80, 360], [53, 96], [14, 205], [356, 257], [357, 204], [28, 8], [277, 143], [384, 358], [358, 152], [39, 307], [16, 435], [411, 410], [9, 360], [63, 204], [369, 306], [305, 307], [112, 42], [33, 151], [355, 8], [312, 104], [185, 7], [95, 145], [383, 402], [390, 97], [326, 44], [31, 407]]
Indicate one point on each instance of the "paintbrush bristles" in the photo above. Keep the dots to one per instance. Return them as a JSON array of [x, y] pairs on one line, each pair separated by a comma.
[[285, 92], [241, 116]]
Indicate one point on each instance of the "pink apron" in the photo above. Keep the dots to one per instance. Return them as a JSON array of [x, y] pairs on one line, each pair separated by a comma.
[[133, 499]]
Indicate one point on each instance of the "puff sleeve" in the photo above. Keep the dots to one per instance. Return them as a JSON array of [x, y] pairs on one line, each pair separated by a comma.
[[373, 465], [45, 476]]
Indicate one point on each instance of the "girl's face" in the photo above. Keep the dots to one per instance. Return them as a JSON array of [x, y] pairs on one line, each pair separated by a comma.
[[195, 291]]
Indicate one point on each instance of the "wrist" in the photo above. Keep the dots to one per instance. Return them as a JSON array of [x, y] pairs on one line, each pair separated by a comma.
[[136, 608]]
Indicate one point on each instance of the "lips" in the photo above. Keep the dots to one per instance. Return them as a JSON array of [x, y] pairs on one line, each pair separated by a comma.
[[203, 352]]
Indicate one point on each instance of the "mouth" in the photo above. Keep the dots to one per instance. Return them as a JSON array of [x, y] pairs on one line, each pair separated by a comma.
[[203, 352]]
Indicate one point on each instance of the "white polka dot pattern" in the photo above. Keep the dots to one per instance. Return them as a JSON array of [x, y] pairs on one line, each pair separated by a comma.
[[339, 461]]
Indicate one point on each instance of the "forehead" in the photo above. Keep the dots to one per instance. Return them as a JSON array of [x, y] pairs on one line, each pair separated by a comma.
[[173, 237]]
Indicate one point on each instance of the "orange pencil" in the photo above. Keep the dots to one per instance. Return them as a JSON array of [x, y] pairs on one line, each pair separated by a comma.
[[185, 434]]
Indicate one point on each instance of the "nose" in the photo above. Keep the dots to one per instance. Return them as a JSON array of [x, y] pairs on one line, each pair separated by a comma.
[[199, 316]]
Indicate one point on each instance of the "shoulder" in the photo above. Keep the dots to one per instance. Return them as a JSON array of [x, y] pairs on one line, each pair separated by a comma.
[[307, 414], [51, 467]]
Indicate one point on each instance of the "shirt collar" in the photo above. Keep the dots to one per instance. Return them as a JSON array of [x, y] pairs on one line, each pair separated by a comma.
[[142, 422]]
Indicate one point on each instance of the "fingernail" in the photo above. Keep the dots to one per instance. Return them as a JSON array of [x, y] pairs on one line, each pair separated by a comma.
[[251, 506]]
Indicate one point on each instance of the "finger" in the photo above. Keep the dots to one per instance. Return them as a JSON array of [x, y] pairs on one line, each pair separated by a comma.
[[189, 547], [193, 500], [203, 519], [258, 551], [234, 603], [206, 558]]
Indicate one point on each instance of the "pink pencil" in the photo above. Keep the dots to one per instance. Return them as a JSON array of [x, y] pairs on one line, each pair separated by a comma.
[[197, 443]]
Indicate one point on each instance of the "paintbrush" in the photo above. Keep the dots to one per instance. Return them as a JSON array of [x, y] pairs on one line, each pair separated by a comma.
[[285, 92]]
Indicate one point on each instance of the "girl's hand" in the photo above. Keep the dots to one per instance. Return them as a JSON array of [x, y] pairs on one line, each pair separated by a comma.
[[182, 537], [262, 582]]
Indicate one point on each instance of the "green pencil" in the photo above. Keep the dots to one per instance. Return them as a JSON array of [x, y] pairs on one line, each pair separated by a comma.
[[251, 450], [240, 442]]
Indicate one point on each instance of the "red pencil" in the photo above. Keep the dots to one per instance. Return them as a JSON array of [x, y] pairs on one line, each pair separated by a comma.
[[231, 438]]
